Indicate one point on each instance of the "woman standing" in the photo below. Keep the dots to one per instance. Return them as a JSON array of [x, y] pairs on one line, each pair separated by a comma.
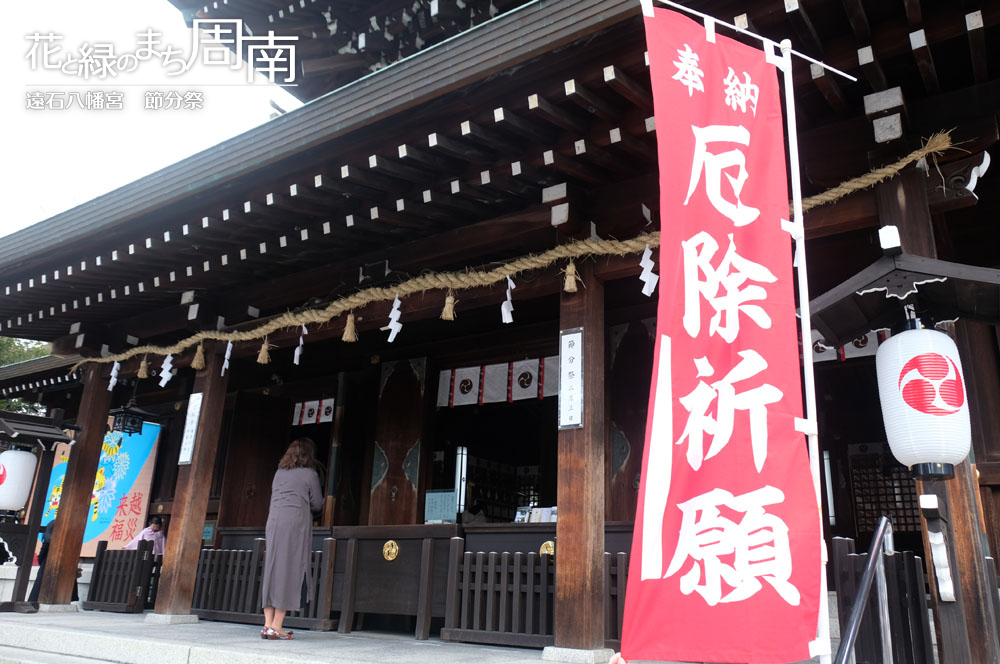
[[295, 495]]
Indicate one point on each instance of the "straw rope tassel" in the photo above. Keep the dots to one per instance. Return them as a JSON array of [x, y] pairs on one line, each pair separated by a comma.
[[448, 313], [350, 331], [263, 357], [569, 284], [198, 363], [143, 368]]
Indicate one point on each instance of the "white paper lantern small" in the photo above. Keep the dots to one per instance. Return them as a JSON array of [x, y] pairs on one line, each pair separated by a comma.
[[17, 472], [925, 405]]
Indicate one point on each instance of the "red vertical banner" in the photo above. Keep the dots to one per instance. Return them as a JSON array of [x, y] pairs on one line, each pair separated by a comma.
[[725, 560]]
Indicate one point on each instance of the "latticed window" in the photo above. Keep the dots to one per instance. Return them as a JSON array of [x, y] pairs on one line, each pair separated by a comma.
[[882, 486]]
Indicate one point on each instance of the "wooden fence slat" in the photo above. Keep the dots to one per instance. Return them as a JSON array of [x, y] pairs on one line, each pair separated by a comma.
[[516, 626], [609, 607], [95, 578], [896, 594], [491, 587], [504, 590], [350, 575], [529, 594], [543, 594], [424, 592], [466, 589], [259, 549], [917, 576], [622, 581], [477, 613], [453, 599]]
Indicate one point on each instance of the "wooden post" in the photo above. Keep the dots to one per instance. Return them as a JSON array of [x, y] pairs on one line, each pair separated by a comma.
[[38, 496], [902, 202], [579, 596], [78, 490], [180, 562], [330, 506]]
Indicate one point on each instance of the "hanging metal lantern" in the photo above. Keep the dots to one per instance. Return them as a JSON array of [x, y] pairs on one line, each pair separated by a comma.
[[925, 405], [17, 472], [127, 421]]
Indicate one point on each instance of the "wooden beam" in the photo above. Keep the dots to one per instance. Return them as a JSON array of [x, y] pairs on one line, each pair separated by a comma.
[[515, 125], [925, 63], [589, 101], [573, 167], [194, 480], [78, 488], [828, 87], [631, 144], [628, 88], [554, 115], [858, 19], [485, 137], [458, 149], [977, 45], [914, 15], [871, 69], [423, 160], [579, 596], [803, 26], [397, 169]]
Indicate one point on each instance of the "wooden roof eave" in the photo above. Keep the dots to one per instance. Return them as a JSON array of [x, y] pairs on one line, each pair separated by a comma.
[[466, 58]]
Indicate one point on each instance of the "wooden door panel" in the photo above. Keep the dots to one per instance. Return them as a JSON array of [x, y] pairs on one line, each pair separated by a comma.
[[259, 436], [397, 448], [631, 369]]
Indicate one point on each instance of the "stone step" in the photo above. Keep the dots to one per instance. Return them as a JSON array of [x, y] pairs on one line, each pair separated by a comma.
[[9, 655]]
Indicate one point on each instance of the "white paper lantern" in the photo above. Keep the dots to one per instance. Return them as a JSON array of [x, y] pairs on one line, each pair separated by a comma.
[[925, 405], [17, 472]]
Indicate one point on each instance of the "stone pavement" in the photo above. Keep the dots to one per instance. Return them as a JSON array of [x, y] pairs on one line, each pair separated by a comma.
[[88, 637], [91, 636]]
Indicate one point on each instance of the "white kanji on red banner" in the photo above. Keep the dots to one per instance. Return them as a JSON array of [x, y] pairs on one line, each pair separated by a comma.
[[741, 553], [716, 164], [723, 287]]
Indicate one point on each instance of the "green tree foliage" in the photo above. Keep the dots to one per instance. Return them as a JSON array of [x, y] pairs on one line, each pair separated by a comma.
[[13, 351]]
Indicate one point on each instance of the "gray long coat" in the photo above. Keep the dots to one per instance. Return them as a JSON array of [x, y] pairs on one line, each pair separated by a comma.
[[295, 495]]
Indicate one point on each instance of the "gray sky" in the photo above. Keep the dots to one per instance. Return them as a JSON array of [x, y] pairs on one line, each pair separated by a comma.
[[56, 159]]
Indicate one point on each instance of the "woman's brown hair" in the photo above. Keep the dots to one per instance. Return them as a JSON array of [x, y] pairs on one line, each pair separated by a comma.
[[300, 454]]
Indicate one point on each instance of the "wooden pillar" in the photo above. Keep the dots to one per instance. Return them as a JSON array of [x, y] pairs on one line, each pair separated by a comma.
[[38, 502], [902, 202], [78, 489], [187, 519], [333, 460], [579, 595]]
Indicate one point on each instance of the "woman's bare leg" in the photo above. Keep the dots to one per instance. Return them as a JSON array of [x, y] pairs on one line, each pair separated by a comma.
[[278, 618], [269, 616]]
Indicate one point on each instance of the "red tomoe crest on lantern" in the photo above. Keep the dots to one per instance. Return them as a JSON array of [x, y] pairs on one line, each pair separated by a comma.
[[931, 383], [3, 473]]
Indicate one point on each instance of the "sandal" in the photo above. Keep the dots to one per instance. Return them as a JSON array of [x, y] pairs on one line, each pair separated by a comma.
[[278, 636], [263, 632]]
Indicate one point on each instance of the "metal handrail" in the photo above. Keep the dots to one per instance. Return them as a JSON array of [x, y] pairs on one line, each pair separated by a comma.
[[882, 542]]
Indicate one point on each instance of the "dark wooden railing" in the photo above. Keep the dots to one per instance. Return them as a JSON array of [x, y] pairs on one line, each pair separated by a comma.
[[120, 579], [504, 599], [508, 598], [228, 581], [907, 602]]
